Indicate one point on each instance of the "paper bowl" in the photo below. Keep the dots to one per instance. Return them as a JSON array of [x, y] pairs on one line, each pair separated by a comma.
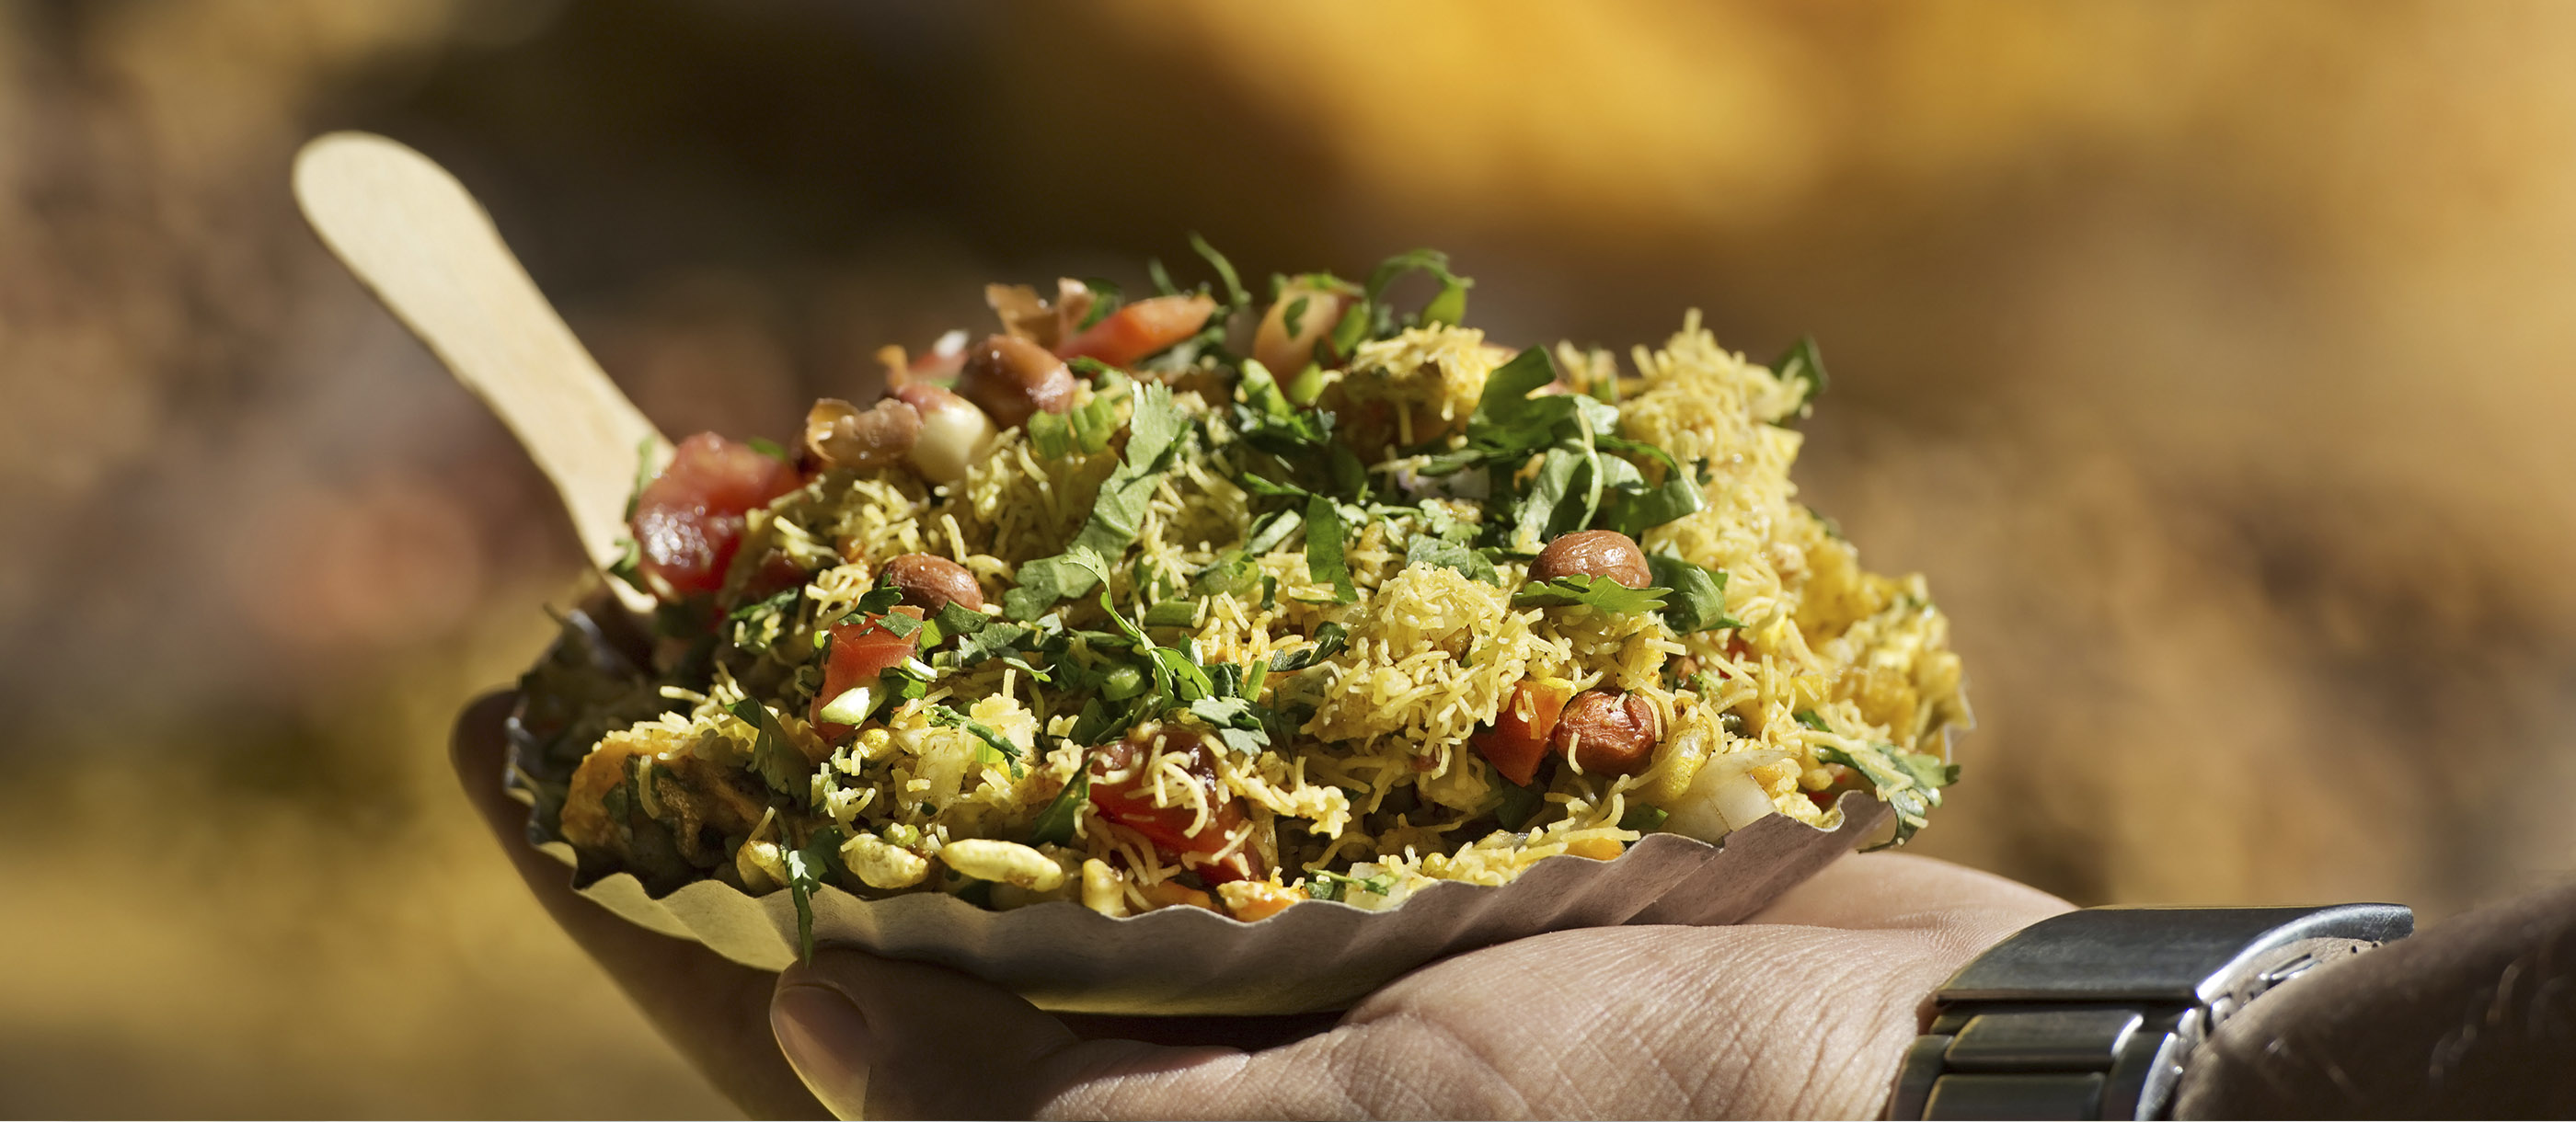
[[1316, 955]]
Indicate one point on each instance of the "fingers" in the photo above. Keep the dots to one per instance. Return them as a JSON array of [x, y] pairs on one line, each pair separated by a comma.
[[881, 1038], [714, 1011], [1890, 891]]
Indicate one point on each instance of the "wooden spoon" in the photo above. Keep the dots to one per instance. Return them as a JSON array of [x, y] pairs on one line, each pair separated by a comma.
[[414, 236]]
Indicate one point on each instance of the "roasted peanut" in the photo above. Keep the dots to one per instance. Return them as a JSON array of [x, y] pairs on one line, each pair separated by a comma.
[[842, 435], [1597, 553], [1013, 379], [931, 583], [1607, 732]]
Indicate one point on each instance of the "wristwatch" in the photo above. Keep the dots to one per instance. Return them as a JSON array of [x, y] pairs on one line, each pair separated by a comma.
[[2091, 1014]]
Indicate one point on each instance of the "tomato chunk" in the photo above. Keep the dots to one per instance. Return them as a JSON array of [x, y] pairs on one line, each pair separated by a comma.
[[1129, 802], [1140, 329], [688, 520], [1517, 740], [860, 652]]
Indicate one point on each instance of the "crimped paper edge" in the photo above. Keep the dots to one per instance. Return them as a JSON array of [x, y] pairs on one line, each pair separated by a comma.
[[1315, 955]]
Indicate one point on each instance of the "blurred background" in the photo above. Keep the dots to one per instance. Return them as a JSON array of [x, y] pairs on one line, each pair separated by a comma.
[[2211, 359]]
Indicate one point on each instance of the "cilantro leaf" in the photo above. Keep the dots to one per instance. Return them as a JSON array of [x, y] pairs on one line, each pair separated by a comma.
[[1451, 555], [1507, 419], [1698, 599], [995, 742], [1233, 571], [1333, 886], [1055, 823], [778, 763], [1908, 782], [1235, 296], [1518, 804], [1590, 591], [809, 868], [958, 619], [994, 640], [1804, 364], [1105, 298], [1635, 513], [779, 603], [1449, 306], [1330, 639], [1538, 512], [1153, 432], [1644, 819], [1324, 535]]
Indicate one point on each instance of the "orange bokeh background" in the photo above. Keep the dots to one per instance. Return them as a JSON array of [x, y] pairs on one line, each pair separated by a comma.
[[2212, 360]]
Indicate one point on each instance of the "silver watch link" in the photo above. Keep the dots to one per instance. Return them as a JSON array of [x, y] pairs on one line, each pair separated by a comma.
[[2091, 1014]]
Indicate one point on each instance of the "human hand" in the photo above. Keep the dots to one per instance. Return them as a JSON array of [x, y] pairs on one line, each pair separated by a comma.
[[1804, 1011]]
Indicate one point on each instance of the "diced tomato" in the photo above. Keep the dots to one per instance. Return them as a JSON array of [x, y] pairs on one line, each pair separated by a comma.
[[689, 519], [1129, 802], [1517, 740], [1140, 329], [860, 652]]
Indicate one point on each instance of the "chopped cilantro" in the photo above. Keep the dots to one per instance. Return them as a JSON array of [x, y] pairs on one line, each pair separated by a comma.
[[1804, 364], [1324, 535], [1908, 782], [1449, 306], [1232, 572], [1153, 430], [809, 868], [1698, 599], [645, 470], [1644, 819], [1334, 886], [778, 763], [1272, 529], [1055, 823], [1235, 296], [769, 448], [1448, 554], [1518, 805], [996, 745], [1590, 591], [1642, 510], [779, 603], [1105, 298], [1330, 639], [1811, 719]]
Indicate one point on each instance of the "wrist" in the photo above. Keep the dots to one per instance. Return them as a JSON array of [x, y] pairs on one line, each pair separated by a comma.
[[2093, 1014]]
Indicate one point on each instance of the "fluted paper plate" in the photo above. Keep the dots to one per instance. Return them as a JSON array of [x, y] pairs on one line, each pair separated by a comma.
[[1316, 955]]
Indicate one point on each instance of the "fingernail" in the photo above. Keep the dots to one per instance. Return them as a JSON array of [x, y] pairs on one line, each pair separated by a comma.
[[827, 1041]]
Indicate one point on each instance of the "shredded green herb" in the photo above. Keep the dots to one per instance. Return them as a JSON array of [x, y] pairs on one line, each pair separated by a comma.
[[1590, 591]]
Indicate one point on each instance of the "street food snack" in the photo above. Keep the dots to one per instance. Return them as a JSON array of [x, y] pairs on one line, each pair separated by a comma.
[[1232, 602]]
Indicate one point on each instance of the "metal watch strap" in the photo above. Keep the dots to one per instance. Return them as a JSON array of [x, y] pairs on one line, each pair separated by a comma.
[[2090, 1014]]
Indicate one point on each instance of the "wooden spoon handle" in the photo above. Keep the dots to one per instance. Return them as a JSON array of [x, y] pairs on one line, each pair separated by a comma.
[[412, 234]]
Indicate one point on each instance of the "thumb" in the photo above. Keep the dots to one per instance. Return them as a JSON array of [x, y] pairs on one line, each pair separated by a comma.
[[880, 1038]]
